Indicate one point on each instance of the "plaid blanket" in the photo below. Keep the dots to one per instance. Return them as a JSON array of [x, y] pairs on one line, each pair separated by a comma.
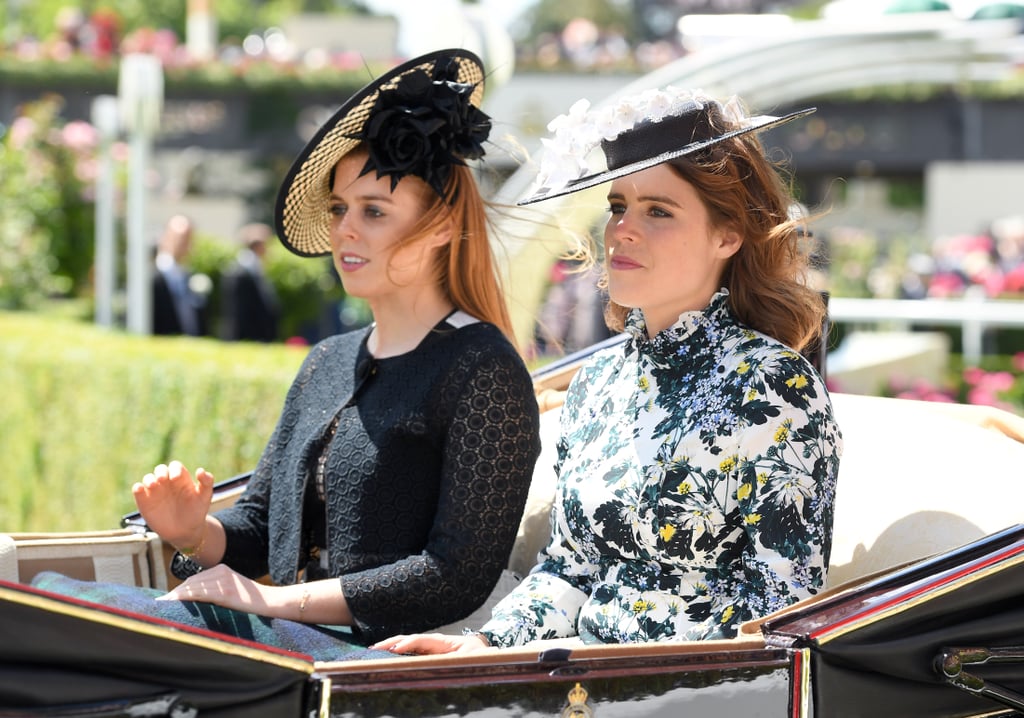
[[322, 643]]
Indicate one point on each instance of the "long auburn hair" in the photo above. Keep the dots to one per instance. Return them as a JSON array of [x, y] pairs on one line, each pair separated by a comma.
[[465, 267], [743, 189]]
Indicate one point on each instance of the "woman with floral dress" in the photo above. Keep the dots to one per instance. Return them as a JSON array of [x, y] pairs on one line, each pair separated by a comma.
[[697, 460]]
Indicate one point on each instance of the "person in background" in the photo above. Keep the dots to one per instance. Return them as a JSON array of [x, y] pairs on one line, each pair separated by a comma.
[[389, 495], [177, 307], [249, 305], [697, 461], [571, 318]]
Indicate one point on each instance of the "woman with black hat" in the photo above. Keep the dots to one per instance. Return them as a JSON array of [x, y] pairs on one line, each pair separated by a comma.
[[697, 461], [389, 495]]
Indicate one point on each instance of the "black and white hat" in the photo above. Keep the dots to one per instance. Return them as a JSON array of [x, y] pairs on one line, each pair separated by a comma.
[[419, 118], [636, 133]]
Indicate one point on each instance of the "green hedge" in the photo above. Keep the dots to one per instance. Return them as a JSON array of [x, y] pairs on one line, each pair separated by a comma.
[[85, 412], [262, 78]]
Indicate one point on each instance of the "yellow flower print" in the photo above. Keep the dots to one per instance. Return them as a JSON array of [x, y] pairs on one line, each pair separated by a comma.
[[744, 491], [684, 488], [727, 614], [752, 519], [641, 606], [782, 433], [752, 394], [667, 532], [727, 465], [762, 478], [644, 384], [743, 368], [797, 382]]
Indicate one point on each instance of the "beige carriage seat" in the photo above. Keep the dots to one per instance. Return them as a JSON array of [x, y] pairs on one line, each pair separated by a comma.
[[918, 478]]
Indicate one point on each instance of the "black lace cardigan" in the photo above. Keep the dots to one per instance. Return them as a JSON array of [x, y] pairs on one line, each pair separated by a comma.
[[426, 476]]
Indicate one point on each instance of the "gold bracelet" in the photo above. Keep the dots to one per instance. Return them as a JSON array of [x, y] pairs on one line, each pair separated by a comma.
[[191, 551], [303, 602]]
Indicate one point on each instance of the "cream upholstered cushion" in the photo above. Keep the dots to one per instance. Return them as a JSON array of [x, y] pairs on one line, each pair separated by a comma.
[[535, 527], [117, 556], [918, 478], [8, 559]]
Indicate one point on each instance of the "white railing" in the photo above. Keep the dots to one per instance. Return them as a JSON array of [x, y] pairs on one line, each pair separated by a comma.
[[973, 316]]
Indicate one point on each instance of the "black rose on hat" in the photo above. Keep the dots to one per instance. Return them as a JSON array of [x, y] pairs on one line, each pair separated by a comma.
[[421, 117], [424, 126]]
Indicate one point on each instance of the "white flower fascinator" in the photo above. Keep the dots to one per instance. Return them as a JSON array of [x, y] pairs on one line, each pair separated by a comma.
[[635, 133]]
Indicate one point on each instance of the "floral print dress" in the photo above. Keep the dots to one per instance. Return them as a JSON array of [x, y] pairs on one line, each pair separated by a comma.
[[696, 480]]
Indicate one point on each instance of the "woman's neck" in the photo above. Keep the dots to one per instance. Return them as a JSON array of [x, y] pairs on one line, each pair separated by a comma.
[[399, 328]]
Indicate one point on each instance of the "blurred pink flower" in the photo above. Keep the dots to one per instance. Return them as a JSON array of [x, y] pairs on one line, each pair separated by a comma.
[[936, 396], [1013, 281], [79, 136], [61, 51], [85, 170], [919, 390], [973, 375], [997, 381], [988, 380], [28, 49], [945, 284], [22, 130], [347, 60], [967, 243], [994, 282], [983, 397], [120, 151]]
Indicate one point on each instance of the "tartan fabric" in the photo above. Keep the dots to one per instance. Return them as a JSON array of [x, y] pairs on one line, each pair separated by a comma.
[[321, 643]]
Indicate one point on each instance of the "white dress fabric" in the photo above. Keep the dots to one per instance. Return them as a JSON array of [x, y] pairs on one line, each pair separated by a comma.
[[696, 481]]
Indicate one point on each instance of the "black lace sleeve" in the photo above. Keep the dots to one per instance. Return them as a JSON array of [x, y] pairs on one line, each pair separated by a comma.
[[265, 519], [490, 436]]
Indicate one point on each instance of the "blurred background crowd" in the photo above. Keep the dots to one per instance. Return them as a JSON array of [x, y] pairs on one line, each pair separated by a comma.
[[56, 56]]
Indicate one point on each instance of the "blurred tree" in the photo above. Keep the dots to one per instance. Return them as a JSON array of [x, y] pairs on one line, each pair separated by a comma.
[[45, 234]]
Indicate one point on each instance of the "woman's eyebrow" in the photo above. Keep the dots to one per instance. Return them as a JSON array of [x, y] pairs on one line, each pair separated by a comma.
[[661, 199], [373, 197]]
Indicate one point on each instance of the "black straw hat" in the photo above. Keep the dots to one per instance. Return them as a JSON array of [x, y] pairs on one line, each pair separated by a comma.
[[636, 133], [419, 118]]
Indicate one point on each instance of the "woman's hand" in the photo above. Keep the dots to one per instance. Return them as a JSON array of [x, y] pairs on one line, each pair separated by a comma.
[[173, 505], [224, 587], [314, 602], [429, 643]]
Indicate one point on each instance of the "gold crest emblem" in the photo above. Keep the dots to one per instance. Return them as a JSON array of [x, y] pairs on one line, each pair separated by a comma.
[[577, 707]]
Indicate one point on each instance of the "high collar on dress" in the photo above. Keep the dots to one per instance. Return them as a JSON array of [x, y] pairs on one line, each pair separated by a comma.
[[667, 340]]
